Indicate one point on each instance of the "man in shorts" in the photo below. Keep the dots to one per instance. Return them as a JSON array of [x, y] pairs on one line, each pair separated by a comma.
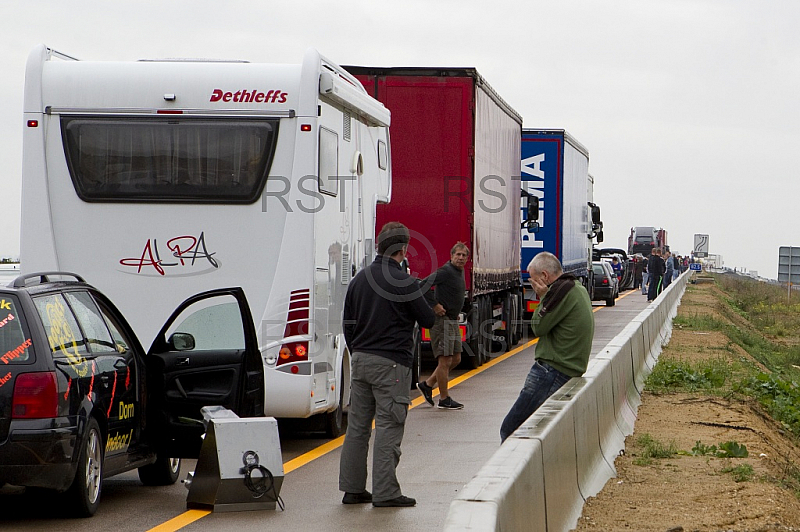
[[449, 291]]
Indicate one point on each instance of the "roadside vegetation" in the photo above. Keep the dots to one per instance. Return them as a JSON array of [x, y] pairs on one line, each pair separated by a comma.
[[760, 321]]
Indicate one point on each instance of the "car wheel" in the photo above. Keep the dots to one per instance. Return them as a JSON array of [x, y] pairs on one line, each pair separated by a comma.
[[83, 496], [163, 472], [611, 302]]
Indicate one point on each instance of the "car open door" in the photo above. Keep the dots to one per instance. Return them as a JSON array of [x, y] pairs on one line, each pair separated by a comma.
[[206, 354]]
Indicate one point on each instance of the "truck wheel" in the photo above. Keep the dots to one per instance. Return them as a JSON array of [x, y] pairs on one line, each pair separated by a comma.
[[83, 496], [487, 331], [519, 316], [163, 472], [509, 317], [469, 357]]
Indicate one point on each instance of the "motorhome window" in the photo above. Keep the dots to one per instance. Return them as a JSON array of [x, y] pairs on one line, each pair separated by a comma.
[[328, 177], [177, 160]]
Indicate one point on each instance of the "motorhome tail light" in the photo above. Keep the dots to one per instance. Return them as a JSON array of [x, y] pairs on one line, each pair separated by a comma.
[[305, 127], [33, 123], [296, 325], [35, 396]]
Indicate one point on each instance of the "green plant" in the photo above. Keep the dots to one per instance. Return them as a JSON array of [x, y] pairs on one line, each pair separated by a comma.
[[779, 397], [651, 448], [707, 374], [741, 472], [728, 449]]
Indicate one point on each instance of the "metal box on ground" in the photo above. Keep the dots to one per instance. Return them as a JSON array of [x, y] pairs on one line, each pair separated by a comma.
[[240, 466]]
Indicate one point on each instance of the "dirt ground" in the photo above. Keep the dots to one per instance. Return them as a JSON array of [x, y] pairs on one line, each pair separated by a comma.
[[700, 493]]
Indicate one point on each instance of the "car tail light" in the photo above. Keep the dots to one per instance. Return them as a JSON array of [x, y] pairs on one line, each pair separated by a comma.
[[35, 396], [296, 325], [605, 281]]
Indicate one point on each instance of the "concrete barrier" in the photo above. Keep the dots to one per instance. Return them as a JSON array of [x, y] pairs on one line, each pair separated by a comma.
[[539, 478], [612, 439], [593, 469], [553, 425], [506, 494]]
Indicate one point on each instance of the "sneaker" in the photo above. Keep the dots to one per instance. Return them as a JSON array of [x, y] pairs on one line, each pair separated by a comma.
[[357, 498], [401, 501], [450, 404], [427, 391]]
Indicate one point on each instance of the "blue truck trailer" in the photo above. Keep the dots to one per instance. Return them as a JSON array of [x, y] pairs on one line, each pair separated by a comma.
[[555, 169]]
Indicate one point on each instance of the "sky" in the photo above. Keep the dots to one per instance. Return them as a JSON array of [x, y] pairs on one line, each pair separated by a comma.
[[690, 109]]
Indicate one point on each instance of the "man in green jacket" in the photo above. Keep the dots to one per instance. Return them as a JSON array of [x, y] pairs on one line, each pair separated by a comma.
[[564, 324]]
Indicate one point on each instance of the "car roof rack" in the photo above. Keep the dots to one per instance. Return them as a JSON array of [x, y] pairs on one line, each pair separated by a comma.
[[43, 277]]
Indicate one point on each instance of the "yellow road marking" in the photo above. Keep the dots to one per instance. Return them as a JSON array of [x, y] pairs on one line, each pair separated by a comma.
[[191, 516], [187, 517]]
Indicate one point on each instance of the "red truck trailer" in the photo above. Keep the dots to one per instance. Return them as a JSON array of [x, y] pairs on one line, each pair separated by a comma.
[[455, 177]]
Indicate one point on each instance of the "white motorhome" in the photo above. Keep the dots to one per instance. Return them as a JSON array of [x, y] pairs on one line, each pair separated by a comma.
[[176, 176]]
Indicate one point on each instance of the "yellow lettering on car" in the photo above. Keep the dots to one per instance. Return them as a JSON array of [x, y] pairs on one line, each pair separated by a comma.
[[62, 338], [125, 410], [119, 442]]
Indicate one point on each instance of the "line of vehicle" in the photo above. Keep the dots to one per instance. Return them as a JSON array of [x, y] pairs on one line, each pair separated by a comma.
[[191, 516]]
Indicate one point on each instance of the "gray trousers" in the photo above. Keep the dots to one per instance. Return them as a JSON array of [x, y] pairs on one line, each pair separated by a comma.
[[379, 390]]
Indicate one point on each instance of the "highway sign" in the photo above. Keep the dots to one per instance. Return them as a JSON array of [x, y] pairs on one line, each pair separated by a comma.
[[789, 265], [696, 266], [700, 246]]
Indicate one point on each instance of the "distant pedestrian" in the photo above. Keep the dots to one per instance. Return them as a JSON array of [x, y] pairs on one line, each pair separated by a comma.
[[638, 271], [655, 267], [669, 270], [449, 289], [564, 324], [380, 308], [616, 267], [645, 274]]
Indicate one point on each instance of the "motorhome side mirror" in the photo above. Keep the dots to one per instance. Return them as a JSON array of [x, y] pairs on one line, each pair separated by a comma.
[[181, 342], [533, 210], [595, 214], [532, 227]]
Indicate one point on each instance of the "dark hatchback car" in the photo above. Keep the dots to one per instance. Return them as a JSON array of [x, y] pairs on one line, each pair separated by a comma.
[[606, 284], [80, 400]]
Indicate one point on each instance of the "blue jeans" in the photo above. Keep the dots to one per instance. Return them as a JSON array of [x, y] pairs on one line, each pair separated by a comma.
[[542, 382]]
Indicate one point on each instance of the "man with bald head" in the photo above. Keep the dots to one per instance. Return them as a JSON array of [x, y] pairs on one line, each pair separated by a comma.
[[564, 324]]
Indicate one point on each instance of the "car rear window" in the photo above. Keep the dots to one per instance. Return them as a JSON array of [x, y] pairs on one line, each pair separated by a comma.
[[14, 340]]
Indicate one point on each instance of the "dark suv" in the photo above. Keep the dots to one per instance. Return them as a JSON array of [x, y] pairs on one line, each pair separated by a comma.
[[80, 400]]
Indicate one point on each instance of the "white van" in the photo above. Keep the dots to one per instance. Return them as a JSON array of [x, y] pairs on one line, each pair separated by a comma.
[[175, 176]]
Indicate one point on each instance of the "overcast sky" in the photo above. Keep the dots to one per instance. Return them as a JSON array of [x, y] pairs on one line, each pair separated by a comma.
[[690, 109]]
